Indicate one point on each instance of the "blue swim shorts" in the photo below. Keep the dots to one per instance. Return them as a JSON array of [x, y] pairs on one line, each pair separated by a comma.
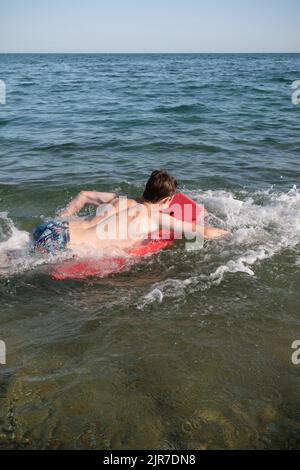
[[51, 236]]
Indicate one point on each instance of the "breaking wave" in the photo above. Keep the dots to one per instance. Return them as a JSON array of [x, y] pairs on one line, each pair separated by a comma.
[[263, 224]]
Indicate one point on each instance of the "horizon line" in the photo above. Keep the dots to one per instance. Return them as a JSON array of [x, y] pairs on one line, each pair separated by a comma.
[[152, 53]]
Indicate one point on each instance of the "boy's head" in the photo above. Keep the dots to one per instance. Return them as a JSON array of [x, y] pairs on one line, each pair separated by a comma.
[[160, 187]]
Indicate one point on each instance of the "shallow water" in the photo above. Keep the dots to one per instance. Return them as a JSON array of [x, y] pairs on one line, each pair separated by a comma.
[[186, 349]]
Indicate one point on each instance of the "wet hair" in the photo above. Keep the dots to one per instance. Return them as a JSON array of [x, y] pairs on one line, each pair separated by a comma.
[[159, 186]]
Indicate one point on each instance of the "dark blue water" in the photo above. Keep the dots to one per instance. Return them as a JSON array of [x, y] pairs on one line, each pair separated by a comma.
[[184, 349]]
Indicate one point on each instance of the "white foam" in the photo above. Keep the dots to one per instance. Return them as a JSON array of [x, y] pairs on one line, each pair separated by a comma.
[[262, 223], [155, 295], [17, 240]]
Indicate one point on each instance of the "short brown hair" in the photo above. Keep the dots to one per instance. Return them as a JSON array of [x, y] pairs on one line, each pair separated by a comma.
[[159, 185]]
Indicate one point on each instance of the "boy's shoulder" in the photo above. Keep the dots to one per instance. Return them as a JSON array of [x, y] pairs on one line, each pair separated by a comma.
[[132, 201]]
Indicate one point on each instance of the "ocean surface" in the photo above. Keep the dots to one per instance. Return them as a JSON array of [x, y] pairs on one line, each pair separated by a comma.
[[185, 349]]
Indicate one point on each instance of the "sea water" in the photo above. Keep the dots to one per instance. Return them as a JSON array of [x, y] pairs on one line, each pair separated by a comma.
[[186, 349]]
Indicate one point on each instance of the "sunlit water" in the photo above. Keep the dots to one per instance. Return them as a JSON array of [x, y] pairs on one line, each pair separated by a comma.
[[183, 349]]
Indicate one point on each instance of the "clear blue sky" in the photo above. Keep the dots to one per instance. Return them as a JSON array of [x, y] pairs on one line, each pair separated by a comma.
[[150, 26]]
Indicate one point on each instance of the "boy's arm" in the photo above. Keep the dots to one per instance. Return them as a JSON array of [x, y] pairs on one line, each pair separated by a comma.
[[167, 222], [86, 197], [211, 233]]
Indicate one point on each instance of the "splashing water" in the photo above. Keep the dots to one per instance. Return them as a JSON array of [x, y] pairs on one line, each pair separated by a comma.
[[16, 255], [262, 225]]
